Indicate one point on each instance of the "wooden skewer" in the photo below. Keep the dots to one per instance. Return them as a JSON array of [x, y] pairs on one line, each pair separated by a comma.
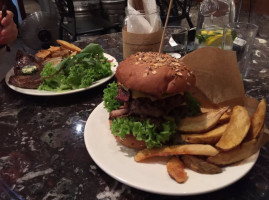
[[165, 25]]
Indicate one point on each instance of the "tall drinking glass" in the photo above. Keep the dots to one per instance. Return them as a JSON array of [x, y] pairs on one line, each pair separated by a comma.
[[239, 37], [176, 41]]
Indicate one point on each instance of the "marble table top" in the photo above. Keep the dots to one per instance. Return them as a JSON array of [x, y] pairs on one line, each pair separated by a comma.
[[43, 155]]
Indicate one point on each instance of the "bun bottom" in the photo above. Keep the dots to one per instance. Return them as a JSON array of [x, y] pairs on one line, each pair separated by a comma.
[[130, 141]]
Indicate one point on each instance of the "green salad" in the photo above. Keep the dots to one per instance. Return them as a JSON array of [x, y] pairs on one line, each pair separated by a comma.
[[78, 71]]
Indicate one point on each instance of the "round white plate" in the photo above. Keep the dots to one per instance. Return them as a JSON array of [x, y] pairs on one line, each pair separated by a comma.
[[118, 162], [35, 92]]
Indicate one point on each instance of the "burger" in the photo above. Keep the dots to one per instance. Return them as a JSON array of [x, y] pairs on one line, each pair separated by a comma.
[[149, 99]]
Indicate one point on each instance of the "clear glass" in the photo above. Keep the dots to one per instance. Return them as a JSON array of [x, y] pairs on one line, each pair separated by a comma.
[[176, 38], [239, 37], [213, 16]]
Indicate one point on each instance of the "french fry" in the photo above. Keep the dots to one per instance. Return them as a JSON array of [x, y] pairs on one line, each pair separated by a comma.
[[54, 48], [191, 149], [68, 45], [199, 165], [74, 53], [175, 169], [43, 54], [202, 122], [239, 153], [257, 120], [211, 137], [63, 53], [236, 130]]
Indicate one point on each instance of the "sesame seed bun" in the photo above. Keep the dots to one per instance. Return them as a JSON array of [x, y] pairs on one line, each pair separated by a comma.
[[155, 74]]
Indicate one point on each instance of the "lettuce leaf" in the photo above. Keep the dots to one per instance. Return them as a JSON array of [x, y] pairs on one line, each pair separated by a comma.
[[143, 131], [110, 93], [193, 104]]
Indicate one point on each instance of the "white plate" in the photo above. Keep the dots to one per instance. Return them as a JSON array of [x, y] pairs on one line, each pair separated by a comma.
[[118, 162], [35, 92]]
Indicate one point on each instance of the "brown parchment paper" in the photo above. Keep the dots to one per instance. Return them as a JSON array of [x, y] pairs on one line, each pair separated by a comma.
[[217, 75], [219, 82]]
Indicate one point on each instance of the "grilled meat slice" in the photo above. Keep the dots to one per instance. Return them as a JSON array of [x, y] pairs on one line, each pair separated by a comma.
[[144, 106], [26, 81], [118, 113], [122, 95], [21, 80]]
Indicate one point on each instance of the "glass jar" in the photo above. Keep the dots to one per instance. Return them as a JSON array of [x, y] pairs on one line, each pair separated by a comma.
[[138, 21], [213, 16], [142, 31]]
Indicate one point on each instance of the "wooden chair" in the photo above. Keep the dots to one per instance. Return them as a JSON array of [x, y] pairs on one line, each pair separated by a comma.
[[76, 26]]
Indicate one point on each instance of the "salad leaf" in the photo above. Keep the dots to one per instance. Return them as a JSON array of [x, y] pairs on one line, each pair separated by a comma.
[[55, 82], [93, 49], [143, 131], [78, 71]]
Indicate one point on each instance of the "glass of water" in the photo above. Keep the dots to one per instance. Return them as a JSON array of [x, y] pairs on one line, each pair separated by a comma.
[[176, 39], [239, 37]]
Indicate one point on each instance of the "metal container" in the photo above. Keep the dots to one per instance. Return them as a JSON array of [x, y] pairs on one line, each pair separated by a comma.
[[113, 4], [114, 10], [83, 7]]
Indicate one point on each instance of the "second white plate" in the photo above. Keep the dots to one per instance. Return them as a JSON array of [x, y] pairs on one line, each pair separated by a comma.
[[35, 92]]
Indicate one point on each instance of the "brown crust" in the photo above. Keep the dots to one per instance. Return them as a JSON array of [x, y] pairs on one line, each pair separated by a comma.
[[155, 74], [130, 141]]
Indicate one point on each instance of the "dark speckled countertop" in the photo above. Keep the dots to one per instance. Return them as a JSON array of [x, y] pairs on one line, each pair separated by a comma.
[[43, 155]]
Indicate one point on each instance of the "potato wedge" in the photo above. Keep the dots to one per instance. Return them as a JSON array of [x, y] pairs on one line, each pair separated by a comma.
[[199, 165], [225, 117], [211, 137], [175, 169], [201, 123], [236, 130], [239, 153], [68, 45], [192, 149], [257, 120]]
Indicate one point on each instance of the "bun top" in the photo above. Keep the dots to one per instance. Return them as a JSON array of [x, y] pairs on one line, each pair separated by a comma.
[[155, 74]]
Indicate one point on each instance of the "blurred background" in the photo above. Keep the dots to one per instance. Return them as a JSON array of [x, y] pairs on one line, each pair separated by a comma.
[[106, 16], [40, 21]]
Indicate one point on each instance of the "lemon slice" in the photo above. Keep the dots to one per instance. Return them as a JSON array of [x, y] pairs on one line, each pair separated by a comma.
[[215, 40]]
